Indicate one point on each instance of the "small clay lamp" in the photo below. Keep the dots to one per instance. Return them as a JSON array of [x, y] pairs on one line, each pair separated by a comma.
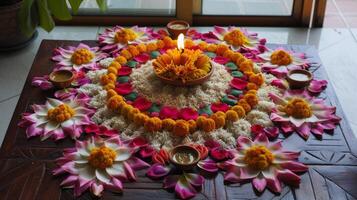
[[184, 157], [176, 27], [299, 78], [62, 78]]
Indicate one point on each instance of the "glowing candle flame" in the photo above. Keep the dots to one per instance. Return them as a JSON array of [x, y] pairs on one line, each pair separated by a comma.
[[181, 42]]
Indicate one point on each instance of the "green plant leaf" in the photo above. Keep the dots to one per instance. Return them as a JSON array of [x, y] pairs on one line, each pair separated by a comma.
[[102, 4], [59, 9], [25, 18], [45, 17], [75, 4]]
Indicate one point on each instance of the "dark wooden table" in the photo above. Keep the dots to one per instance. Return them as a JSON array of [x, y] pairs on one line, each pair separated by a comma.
[[26, 165]]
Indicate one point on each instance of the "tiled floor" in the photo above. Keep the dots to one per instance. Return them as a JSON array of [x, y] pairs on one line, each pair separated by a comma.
[[337, 48], [341, 14]]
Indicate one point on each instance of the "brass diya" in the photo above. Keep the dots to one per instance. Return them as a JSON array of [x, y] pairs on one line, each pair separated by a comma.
[[299, 78], [61, 78], [184, 157]]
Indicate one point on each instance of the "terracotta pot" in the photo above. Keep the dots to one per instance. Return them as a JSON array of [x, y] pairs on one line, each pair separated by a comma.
[[175, 32], [299, 84], [61, 78], [11, 37], [185, 149]]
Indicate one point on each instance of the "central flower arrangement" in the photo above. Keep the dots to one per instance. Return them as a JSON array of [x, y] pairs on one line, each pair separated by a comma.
[[220, 94]]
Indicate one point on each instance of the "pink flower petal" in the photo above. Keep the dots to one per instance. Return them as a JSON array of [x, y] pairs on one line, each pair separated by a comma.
[[188, 114], [210, 144], [244, 142], [294, 166], [221, 60], [142, 58], [137, 164], [259, 183], [146, 152], [115, 185], [274, 184], [157, 171], [194, 179], [184, 189], [123, 88], [219, 106], [124, 71], [238, 83], [317, 86], [208, 165], [280, 83], [246, 173], [288, 177], [169, 112], [97, 189], [170, 181], [142, 103], [138, 142]]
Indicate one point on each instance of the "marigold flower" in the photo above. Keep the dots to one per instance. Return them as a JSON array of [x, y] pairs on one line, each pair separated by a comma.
[[257, 79], [298, 108], [109, 86], [211, 48], [246, 66], [203, 46], [112, 70], [189, 43], [236, 38], [115, 64], [121, 59], [192, 125], [236, 56], [221, 49], [126, 53], [281, 57], [126, 109], [239, 110], [153, 124], [132, 113], [181, 128], [141, 48], [258, 157], [232, 116], [151, 47], [252, 92], [113, 102], [60, 113], [199, 121], [251, 99], [102, 157], [82, 56], [133, 50], [107, 78], [168, 124], [124, 36], [168, 42], [219, 120], [111, 93], [208, 125], [252, 86], [245, 105], [140, 119], [228, 54], [160, 44]]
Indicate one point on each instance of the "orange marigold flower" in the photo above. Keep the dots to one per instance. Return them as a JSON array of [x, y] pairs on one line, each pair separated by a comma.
[[211, 48], [140, 119], [252, 92], [246, 66], [113, 102], [111, 93], [153, 124], [245, 105], [202, 46], [236, 56], [228, 54], [232, 116], [112, 70], [192, 125], [126, 53], [160, 44], [169, 42], [151, 47], [252, 86], [132, 113], [298, 108], [121, 60], [189, 43], [116, 64], [281, 57], [141, 48], [109, 86], [181, 128], [168, 124], [199, 121], [251, 99], [208, 125], [258, 79], [133, 50], [239, 110], [126, 109], [221, 49], [107, 78], [219, 120]]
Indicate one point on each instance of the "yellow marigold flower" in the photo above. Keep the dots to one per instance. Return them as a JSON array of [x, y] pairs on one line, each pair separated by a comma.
[[121, 59], [199, 121], [189, 43], [192, 125], [245, 105], [219, 120], [115, 64], [246, 66], [112, 70], [126, 109], [221, 49], [133, 50], [258, 157], [153, 124], [181, 128], [208, 125], [212, 48], [168, 42], [109, 86], [202, 45], [107, 78], [140, 119], [251, 99], [220, 114], [160, 44], [232, 116], [111, 93], [151, 47], [124, 36], [113, 102], [141, 48], [132, 113], [126, 53], [82, 56], [298, 108], [252, 92], [102, 157], [236, 38], [168, 124], [252, 86], [258, 79], [281, 57], [236, 56], [239, 110], [60, 113], [121, 105], [228, 54]]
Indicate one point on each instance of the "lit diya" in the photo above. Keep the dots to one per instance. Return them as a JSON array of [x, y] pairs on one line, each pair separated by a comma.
[[183, 67], [177, 27], [62, 78], [184, 157], [299, 78]]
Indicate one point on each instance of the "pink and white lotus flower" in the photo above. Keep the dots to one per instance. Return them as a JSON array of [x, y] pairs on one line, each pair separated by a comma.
[[114, 39], [265, 163], [77, 58], [300, 112], [58, 119], [236, 37], [279, 62], [98, 164]]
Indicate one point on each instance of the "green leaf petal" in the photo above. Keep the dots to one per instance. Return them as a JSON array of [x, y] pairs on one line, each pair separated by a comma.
[[59, 9], [102, 4], [45, 18], [25, 18], [75, 4]]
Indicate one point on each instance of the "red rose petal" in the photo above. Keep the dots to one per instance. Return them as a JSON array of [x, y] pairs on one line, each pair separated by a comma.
[[238, 83], [169, 112], [124, 71], [188, 114], [142, 103], [142, 58], [123, 88], [215, 107], [221, 60]]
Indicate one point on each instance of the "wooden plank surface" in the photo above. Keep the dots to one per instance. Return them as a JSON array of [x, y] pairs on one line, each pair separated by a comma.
[[26, 164]]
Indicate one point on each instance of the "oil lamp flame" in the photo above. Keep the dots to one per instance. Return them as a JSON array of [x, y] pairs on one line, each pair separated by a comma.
[[181, 42]]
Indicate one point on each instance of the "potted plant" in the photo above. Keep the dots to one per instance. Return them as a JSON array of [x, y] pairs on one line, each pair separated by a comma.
[[20, 18]]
